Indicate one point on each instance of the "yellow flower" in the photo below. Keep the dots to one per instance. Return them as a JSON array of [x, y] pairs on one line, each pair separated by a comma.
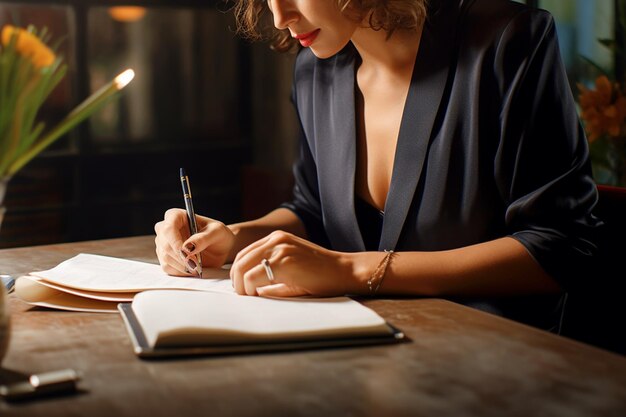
[[603, 109], [29, 45]]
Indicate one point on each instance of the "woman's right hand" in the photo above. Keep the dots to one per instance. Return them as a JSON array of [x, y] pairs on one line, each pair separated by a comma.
[[177, 250]]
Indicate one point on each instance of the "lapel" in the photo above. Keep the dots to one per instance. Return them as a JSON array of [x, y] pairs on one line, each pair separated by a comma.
[[335, 122], [428, 83], [335, 125]]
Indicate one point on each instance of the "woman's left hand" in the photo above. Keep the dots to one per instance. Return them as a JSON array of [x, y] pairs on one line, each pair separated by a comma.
[[298, 266]]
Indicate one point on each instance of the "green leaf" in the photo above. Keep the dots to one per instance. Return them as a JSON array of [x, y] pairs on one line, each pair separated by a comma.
[[14, 135], [609, 43], [93, 103], [23, 89], [601, 70], [34, 135]]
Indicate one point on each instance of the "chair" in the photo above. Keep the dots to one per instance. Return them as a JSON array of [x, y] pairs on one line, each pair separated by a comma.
[[597, 315]]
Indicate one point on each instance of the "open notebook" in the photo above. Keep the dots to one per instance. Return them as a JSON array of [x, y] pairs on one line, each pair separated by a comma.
[[168, 316], [98, 283], [171, 323]]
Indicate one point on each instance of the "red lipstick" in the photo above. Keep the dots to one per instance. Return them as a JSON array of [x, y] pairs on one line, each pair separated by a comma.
[[307, 39]]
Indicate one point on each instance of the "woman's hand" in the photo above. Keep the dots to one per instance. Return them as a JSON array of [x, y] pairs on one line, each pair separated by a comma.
[[299, 268], [177, 251]]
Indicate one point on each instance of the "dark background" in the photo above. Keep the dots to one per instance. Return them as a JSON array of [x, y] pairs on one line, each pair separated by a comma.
[[202, 99]]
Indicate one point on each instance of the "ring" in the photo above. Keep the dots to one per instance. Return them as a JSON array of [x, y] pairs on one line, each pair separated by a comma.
[[268, 269]]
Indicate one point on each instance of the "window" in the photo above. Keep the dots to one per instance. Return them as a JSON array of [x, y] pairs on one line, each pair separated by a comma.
[[116, 174]]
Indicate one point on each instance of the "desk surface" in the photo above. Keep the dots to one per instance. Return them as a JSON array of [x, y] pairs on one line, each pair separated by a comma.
[[459, 362]]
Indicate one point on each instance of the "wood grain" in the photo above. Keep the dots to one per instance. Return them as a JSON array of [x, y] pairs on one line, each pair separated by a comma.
[[458, 362]]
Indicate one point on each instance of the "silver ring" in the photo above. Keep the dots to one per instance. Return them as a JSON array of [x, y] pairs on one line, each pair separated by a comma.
[[268, 269]]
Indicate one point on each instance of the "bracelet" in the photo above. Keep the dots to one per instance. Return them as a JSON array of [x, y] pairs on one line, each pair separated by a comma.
[[379, 272]]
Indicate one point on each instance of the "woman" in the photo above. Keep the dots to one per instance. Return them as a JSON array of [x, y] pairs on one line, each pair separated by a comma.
[[441, 155]]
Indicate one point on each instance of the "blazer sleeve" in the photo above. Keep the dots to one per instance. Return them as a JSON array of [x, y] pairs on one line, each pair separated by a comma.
[[542, 165], [306, 197]]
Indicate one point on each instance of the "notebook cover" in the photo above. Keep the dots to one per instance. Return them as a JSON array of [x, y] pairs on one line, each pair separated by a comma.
[[143, 350]]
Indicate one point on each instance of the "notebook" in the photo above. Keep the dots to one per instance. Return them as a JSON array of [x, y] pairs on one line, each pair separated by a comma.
[[96, 283], [174, 322]]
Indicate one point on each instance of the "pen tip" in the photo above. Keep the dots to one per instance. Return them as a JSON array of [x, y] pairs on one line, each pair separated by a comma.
[[182, 172]]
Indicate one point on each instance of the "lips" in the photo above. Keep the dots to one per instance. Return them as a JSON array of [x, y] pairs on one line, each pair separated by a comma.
[[307, 39]]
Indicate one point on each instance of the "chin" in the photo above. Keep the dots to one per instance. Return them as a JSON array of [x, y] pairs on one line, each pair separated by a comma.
[[323, 53]]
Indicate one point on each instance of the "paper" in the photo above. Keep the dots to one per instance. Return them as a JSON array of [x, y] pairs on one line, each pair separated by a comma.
[[204, 318], [35, 293], [97, 283], [104, 273], [118, 297]]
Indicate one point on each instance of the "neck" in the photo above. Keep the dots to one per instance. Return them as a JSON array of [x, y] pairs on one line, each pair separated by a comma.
[[380, 52]]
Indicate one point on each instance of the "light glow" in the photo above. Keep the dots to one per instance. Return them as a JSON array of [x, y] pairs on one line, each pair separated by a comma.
[[127, 14], [124, 78]]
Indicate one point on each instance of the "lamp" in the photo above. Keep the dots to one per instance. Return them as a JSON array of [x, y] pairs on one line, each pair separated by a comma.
[[127, 14]]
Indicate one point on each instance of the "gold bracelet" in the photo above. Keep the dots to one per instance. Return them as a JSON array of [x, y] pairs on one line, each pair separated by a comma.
[[379, 272]]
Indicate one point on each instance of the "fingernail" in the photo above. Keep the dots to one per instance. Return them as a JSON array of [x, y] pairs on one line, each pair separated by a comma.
[[190, 247], [192, 264], [183, 256]]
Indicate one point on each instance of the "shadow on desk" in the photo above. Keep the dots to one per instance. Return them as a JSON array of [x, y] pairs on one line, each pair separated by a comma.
[[597, 315], [9, 376]]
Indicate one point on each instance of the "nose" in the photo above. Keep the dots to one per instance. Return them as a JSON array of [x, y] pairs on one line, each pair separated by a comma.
[[285, 13]]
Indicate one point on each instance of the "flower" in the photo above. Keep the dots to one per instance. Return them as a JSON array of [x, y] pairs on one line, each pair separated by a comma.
[[29, 72], [28, 45], [603, 109]]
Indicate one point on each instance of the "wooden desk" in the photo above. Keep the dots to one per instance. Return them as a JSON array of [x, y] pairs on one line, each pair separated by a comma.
[[460, 362]]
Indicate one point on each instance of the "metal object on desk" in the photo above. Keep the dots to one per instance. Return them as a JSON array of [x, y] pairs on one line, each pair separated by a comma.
[[44, 384], [8, 282]]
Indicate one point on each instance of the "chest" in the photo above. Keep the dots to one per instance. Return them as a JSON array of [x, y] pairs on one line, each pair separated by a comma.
[[379, 109]]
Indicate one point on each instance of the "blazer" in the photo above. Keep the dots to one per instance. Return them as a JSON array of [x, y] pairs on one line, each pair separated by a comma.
[[490, 143]]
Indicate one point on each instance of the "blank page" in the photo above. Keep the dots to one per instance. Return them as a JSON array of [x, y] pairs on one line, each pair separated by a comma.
[[188, 318]]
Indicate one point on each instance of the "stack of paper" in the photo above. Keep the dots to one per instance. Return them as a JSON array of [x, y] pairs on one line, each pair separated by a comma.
[[98, 283]]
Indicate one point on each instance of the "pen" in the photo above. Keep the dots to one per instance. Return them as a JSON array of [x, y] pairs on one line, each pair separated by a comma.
[[191, 215]]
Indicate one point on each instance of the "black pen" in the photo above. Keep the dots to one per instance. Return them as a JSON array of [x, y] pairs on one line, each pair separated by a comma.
[[191, 215]]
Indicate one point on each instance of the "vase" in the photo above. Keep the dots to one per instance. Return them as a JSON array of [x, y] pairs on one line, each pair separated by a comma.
[[4, 322], [4, 183], [4, 308]]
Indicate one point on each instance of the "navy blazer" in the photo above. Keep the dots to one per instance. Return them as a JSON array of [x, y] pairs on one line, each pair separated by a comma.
[[490, 143]]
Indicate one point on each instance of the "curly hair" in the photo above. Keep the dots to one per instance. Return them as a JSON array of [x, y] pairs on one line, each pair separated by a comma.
[[254, 18]]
